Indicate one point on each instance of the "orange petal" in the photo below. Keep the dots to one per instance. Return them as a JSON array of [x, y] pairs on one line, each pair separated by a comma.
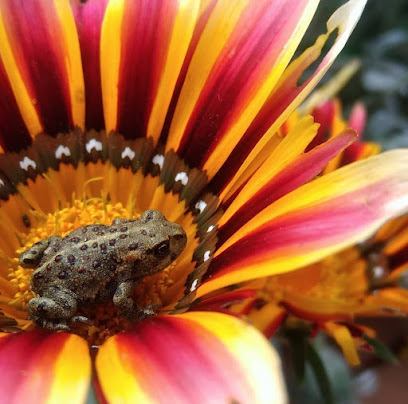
[[44, 368], [345, 340], [201, 357], [268, 318]]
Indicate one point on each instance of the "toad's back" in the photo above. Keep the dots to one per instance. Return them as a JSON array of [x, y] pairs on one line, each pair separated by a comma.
[[86, 260]]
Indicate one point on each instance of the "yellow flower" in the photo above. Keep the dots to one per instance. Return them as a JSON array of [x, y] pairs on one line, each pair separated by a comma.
[[112, 107], [364, 280]]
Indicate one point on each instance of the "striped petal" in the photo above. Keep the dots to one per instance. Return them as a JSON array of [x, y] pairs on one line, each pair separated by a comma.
[[284, 98], [194, 357], [267, 185], [88, 19], [242, 52], [50, 92], [40, 367], [314, 221], [143, 46]]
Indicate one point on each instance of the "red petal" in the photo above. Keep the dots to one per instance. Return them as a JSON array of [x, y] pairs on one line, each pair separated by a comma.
[[315, 220], [302, 170], [195, 357], [89, 18], [43, 367], [44, 33], [13, 132]]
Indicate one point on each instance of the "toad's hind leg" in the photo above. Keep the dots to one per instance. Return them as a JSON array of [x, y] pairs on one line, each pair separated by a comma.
[[53, 313], [32, 257]]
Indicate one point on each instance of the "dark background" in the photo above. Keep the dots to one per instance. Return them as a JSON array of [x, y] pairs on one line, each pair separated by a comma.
[[380, 42]]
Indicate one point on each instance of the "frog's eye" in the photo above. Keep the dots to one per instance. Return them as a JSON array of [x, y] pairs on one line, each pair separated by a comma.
[[162, 249]]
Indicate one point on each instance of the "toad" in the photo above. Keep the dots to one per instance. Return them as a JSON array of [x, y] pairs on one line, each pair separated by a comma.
[[96, 263]]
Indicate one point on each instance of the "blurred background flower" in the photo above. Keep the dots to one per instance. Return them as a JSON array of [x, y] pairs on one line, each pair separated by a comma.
[[380, 42], [380, 83]]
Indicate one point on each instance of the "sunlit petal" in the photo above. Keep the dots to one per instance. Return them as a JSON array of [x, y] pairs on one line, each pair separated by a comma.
[[317, 219], [286, 96], [232, 73], [143, 46], [195, 357], [44, 368]]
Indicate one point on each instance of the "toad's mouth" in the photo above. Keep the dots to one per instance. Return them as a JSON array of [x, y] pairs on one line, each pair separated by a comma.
[[98, 189]]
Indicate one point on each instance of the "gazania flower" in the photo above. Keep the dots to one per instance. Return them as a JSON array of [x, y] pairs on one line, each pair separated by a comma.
[[364, 280], [110, 108]]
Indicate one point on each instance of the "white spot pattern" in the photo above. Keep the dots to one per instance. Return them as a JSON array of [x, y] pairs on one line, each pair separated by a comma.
[[194, 286], [207, 255], [201, 205], [378, 272], [211, 228], [159, 160], [93, 144], [26, 163], [182, 177], [1, 182], [62, 150], [128, 152]]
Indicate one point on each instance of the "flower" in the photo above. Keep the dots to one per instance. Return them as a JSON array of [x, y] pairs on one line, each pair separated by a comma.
[[112, 107], [364, 280]]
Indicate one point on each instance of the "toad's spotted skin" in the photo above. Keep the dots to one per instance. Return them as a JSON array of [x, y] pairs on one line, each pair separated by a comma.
[[96, 263]]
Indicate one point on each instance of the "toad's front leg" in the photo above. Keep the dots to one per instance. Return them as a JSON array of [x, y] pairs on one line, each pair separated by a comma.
[[126, 305], [32, 257]]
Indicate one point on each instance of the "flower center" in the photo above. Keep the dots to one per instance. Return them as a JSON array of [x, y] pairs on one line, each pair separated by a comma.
[[95, 189]]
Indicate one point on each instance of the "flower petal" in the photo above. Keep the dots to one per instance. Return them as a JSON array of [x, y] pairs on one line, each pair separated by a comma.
[[11, 121], [267, 318], [193, 357], [50, 93], [359, 150], [110, 48], [43, 367], [274, 179], [285, 97], [314, 221], [240, 56], [89, 18], [143, 46], [345, 340]]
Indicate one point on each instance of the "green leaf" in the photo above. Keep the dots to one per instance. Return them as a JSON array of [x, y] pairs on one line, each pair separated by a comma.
[[320, 373], [380, 349], [297, 343]]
